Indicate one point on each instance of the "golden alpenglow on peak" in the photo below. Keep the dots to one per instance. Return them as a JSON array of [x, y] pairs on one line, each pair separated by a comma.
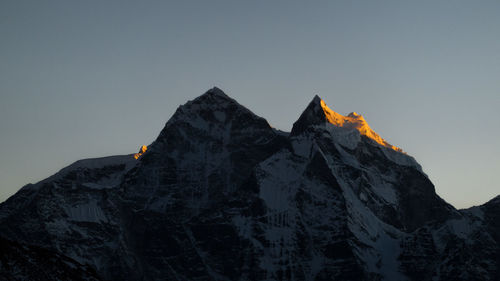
[[141, 151], [355, 121]]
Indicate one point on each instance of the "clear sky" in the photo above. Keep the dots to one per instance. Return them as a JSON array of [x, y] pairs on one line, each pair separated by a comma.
[[82, 79]]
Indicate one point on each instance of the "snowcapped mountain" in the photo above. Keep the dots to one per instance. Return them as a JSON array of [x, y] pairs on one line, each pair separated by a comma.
[[220, 195]]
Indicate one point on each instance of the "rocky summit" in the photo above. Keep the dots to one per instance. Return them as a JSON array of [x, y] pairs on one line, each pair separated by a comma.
[[221, 195]]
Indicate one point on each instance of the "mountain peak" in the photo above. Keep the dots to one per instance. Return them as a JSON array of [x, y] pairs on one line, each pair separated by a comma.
[[317, 113], [213, 113], [316, 99], [215, 91], [312, 115], [214, 98]]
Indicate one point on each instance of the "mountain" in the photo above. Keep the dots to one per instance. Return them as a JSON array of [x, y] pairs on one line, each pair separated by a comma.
[[221, 195]]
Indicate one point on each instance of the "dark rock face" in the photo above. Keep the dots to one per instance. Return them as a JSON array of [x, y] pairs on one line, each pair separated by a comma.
[[24, 262], [220, 195], [491, 211], [312, 115]]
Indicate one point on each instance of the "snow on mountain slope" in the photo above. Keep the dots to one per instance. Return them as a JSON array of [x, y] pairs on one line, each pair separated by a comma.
[[348, 131], [349, 122], [220, 195]]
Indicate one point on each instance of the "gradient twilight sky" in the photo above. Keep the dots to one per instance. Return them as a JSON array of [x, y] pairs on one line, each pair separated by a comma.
[[81, 79]]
